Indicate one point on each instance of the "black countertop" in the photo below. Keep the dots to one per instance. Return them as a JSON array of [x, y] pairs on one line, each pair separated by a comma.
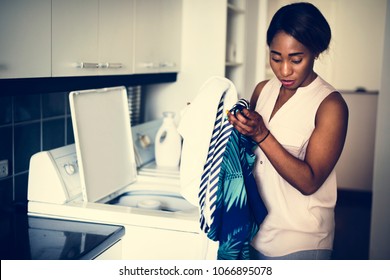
[[24, 237]]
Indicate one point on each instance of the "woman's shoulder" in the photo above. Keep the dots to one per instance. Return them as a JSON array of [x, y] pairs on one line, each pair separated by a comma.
[[261, 85], [333, 99], [256, 93], [334, 109]]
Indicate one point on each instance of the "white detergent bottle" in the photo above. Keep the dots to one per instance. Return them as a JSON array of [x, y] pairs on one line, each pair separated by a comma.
[[168, 143]]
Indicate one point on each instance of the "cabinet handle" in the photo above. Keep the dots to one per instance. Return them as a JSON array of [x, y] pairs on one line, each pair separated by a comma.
[[84, 65], [110, 65], [167, 64], [149, 65]]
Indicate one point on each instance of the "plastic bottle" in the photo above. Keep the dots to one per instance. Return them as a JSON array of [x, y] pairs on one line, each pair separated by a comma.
[[168, 143]]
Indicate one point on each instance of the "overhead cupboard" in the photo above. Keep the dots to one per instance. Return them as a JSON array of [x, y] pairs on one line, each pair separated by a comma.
[[157, 36], [60, 38], [92, 37], [25, 38]]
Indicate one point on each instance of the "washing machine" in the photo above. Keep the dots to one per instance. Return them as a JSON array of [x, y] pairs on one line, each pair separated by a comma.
[[108, 176]]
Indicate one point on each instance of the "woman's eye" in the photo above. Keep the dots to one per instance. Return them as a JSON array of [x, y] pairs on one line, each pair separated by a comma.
[[276, 59], [297, 61]]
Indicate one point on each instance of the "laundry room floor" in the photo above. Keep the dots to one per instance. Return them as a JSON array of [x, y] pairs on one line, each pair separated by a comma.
[[353, 218]]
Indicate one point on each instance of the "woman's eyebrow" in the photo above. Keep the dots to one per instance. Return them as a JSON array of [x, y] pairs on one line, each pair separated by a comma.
[[275, 52], [290, 54]]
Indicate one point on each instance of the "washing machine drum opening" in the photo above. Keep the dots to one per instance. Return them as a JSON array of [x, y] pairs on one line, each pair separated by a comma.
[[162, 201]]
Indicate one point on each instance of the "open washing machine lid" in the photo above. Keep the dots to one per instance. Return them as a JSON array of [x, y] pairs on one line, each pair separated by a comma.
[[103, 142]]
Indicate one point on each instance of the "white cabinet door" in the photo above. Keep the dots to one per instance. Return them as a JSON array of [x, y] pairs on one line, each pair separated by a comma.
[[116, 37], [170, 35], [157, 36], [74, 37], [92, 37], [25, 39]]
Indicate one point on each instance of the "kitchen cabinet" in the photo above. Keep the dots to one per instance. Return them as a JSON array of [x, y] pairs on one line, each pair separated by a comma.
[[25, 38], [235, 43], [92, 37], [58, 38], [157, 38]]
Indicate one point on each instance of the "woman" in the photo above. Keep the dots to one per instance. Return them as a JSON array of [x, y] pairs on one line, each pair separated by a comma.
[[300, 123]]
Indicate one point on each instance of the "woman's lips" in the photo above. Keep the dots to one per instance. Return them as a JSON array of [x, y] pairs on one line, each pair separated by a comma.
[[287, 83]]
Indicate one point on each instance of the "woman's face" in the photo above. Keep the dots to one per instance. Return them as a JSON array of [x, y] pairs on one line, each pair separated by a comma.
[[291, 62]]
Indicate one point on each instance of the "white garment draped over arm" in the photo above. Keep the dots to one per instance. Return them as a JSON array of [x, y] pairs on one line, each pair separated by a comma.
[[196, 127]]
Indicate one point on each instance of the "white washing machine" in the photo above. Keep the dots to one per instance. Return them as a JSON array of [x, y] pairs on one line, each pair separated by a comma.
[[96, 180]]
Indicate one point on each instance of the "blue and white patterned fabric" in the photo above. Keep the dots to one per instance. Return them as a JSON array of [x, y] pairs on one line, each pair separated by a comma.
[[230, 206]]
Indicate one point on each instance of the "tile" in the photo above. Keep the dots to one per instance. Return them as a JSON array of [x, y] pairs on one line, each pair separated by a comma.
[[27, 143], [5, 110], [6, 146], [29, 123], [69, 131], [53, 134], [53, 104], [27, 107], [67, 103], [21, 184], [6, 192]]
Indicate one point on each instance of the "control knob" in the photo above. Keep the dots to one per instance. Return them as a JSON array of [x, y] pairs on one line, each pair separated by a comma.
[[70, 168]]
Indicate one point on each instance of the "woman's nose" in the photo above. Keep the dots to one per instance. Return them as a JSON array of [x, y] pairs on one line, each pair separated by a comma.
[[286, 69]]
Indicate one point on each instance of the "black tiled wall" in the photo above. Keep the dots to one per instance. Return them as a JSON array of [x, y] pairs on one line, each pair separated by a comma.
[[29, 124]]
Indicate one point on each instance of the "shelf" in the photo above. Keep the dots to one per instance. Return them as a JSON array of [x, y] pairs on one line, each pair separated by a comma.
[[235, 43], [233, 64], [235, 8]]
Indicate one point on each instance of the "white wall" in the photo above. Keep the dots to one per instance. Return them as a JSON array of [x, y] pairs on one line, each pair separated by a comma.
[[203, 56], [380, 221], [203, 50], [352, 61], [324, 64], [203, 53], [356, 164], [358, 57], [355, 53]]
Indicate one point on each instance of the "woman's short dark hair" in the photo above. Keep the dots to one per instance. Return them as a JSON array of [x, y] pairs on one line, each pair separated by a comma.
[[305, 23]]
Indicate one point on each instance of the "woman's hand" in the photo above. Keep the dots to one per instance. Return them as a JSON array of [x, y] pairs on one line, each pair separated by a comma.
[[249, 123]]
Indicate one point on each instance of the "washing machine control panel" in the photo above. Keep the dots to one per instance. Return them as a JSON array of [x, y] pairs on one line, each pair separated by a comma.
[[68, 167], [54, 176]]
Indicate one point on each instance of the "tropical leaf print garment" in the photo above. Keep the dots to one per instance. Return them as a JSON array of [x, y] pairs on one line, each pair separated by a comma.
[[229, 191]]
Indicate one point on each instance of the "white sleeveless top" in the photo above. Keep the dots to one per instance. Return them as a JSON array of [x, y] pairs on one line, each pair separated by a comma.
[[295, 222]]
